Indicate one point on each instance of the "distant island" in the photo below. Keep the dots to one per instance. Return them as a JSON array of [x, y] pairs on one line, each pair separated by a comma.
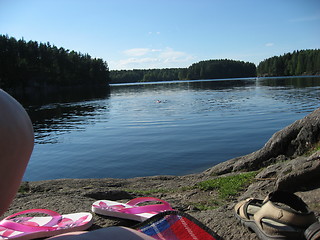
[[32, 67], [210, 69], [298, 63]]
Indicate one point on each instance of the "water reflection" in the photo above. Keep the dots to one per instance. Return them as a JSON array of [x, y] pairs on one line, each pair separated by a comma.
[[56, 114], [297, 91], [221, 84], [67, 111], [65, 95], [197, 85], [127, 132], [295, 82]]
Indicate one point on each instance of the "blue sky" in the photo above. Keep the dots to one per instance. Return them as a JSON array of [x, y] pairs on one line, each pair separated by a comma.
[[143, 34]]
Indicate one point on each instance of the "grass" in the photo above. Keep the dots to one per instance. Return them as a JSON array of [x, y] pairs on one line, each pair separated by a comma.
[[228, 186], [315, 148], [224, 188], [24, 188]]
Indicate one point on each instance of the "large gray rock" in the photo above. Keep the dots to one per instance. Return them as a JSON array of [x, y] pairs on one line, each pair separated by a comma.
[[288, 143], [299, 174]]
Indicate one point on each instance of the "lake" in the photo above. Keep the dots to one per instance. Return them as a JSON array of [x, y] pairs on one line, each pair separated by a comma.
[[167, 128]]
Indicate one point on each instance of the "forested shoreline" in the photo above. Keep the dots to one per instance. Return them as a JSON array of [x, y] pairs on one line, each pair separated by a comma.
[[210, 69], [37, 67], [297, 63], [41, 67]]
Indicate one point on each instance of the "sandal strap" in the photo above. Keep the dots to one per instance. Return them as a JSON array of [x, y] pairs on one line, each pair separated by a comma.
[[25, 228], [148, 208], [241, 208], [274, 212], [289, 199], [11, 224], [313, 232], [136, 201]]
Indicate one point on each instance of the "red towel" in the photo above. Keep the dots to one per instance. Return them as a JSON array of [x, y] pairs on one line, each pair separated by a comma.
[[175, 225]]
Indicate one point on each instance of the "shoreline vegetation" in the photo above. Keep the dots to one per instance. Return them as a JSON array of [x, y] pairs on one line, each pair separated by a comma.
[[298, 63], [29, 68], [210, 69]]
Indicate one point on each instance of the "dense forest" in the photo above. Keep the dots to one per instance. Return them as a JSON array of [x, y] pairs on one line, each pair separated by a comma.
[[39, 66], [32, 66], [145, 75], [211, 69], [304, 62]]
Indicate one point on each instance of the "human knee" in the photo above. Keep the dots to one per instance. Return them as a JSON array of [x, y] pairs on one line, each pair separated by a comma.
[[16, 131]]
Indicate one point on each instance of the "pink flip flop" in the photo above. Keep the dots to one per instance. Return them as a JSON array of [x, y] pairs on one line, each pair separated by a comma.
[[131, 210], [23, 228]]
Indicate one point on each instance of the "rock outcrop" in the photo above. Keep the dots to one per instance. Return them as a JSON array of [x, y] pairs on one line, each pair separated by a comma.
[[292, 141]]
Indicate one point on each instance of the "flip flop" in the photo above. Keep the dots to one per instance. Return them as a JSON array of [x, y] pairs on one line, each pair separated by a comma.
[[23, 227], [131, 210], [282, 215]]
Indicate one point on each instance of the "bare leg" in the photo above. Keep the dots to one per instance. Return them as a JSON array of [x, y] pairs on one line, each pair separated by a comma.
[[16, 145], [112, 233]]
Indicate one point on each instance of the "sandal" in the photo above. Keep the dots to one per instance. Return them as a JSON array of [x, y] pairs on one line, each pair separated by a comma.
[[131, 210], [313, 232], [23, 227], [282, 215]]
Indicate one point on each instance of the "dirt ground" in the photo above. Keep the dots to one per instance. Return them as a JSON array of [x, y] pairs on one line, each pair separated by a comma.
[[77, 195]]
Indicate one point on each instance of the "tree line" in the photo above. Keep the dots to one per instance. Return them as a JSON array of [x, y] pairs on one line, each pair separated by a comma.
[[297, 63], [213, 69], [210, 69], [42, 65], [145, 75], [38, 66]]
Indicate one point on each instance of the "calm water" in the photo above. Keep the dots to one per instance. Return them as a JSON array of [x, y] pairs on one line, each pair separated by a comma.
[[170, 128]]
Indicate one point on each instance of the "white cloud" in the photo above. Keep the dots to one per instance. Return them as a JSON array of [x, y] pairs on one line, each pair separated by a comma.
[[269, 44], [139, 51], [127, 61], [157, 33], [170, 55], [145, 58]]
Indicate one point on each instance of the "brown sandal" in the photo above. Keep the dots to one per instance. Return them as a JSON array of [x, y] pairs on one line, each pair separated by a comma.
[[313, 232], [282, 215]]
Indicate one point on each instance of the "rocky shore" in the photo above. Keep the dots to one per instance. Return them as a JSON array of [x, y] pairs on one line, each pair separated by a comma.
[[290, 160]]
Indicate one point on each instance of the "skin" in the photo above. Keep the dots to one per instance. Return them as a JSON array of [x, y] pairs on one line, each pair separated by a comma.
[[16, 145]]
